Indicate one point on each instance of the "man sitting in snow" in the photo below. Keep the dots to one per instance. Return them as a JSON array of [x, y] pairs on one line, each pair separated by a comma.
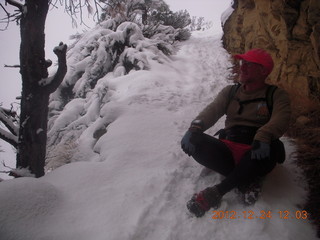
[[248, 147]]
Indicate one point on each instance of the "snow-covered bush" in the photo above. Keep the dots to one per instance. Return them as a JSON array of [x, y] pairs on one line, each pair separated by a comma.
[[60, 154], [183, 35], [180, 19], [151, 15], [131, 36], [98, 52], [98, 55], [199, 23]]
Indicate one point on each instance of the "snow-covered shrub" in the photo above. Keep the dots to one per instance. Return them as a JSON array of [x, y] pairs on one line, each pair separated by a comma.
[[134, 59], [180, 19], [96, 56], [101, 50], [199, 23], [60, 154], [151, 15], [183, 34]]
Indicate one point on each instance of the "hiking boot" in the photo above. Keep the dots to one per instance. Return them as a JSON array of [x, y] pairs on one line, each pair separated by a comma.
[[250, 193], [201, 202]]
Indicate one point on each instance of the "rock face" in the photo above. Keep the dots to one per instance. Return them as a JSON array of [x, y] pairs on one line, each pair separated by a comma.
[[289, 30]]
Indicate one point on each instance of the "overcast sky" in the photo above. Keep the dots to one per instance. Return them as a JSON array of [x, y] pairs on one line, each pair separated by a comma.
[[59, 28]]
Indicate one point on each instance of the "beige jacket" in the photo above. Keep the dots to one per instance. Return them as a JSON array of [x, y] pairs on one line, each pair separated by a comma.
[[253, 114]]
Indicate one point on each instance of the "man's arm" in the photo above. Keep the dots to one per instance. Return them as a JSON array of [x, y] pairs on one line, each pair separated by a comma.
[[215, 110], [280, 118]]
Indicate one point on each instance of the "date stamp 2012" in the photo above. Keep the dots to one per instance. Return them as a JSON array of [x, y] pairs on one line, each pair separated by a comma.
[[299, 214]]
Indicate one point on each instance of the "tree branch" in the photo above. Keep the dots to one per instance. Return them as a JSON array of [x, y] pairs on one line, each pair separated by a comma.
[[15, 4], [12, 66], [16, 172], [6, 120], [51, 84], [9, 138]]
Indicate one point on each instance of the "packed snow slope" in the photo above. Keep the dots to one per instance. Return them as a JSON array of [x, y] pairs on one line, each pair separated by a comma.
[[134, 181]]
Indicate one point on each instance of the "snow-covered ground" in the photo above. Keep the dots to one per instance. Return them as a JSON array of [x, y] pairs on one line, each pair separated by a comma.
[[136, 181]]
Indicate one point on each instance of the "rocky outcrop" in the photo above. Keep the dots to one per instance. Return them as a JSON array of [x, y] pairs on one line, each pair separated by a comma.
[[289, 30]]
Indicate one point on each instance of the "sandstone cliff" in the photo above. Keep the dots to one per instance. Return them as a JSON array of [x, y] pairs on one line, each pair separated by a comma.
[[289, 30]]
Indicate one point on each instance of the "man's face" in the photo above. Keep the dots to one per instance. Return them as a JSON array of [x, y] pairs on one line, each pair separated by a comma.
[[251, 72]]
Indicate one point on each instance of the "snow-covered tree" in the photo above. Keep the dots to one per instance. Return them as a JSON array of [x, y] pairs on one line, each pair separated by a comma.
[[131, 10], [180, 19], [198, 23]]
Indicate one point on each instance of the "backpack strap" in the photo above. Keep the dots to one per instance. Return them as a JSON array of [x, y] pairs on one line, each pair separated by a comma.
[[269, 97], [232, 92]]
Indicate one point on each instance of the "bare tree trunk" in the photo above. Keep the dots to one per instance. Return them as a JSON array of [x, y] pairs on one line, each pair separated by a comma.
[[35, 95]]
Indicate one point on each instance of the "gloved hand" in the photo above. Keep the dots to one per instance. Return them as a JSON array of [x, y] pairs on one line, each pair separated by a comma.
[[188, 142], [186, 145], [260, 150]]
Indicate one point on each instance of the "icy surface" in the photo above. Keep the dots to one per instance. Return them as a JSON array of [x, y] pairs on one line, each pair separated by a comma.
[[133, 180]]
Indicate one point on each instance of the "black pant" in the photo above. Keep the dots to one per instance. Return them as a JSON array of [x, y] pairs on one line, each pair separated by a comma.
[[214, 154]]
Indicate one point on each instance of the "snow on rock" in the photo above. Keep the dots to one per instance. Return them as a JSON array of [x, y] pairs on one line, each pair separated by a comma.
[[226, 14], [134, 180]]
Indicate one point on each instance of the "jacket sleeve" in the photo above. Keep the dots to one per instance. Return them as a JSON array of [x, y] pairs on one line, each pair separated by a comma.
[[215, 110], [279, 121]]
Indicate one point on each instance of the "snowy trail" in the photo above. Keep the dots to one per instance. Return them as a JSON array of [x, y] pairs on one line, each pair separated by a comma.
[[197, 84], [138, 186]]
